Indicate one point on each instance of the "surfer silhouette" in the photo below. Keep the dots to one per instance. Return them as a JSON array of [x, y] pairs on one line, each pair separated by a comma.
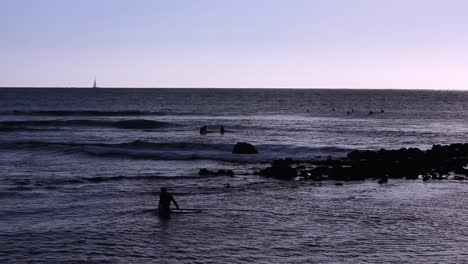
[[203, 130], [165, 199], [222, 130]]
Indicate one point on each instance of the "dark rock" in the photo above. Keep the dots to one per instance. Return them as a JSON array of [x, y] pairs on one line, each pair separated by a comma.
[[138, 124], [244, 148], [283, 162], [411, 177], [204, 172], [382, 181], [408, 163], [461, 171], [225, 172], [318, 173], [282, 172]]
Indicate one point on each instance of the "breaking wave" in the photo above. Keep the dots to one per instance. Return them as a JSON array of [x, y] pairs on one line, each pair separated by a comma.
[[123, 124], [81, 113], [91, 113], [185, 151], [102, 179]]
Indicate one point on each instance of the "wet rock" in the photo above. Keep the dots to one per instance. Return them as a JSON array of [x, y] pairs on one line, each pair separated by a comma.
[[225, 172], [244, 148], [280, 171], [426, 177], [204, 172], [382, 181], [138, 124], [318, 173], [412, 177], [407, 163], [283, 162]]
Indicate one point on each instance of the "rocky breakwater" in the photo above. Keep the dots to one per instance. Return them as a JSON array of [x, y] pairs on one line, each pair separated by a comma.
[[439, 162]]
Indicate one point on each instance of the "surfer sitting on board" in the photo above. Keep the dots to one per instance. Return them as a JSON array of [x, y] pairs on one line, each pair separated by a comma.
[[165, 199], [203, 130]]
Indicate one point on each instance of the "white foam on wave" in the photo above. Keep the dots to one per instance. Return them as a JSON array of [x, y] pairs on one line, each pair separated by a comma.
[[267, 153]]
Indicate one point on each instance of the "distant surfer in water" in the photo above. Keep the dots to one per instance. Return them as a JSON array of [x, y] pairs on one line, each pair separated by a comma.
[[165, 199], [222, 130], [203, 130]]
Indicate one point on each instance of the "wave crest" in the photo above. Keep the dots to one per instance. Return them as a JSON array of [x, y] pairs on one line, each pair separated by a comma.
[[140, 149], [81, 113], [122, 124]]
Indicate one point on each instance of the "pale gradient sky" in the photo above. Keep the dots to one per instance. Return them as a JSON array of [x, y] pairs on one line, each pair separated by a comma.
[[235, 43]]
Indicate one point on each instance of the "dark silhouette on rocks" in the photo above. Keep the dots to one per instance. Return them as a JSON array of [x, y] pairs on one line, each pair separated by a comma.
[[244, 148]]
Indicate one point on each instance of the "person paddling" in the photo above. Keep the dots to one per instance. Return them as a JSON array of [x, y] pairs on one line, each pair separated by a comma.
[[165, 199]]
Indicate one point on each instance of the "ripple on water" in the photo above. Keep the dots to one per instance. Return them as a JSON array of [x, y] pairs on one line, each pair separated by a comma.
[[260, 223]]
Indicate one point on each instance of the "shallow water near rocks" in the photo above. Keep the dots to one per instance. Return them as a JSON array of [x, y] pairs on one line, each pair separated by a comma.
[[264, 222]]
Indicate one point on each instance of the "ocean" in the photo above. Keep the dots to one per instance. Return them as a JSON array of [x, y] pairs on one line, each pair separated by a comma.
[[81, 171]]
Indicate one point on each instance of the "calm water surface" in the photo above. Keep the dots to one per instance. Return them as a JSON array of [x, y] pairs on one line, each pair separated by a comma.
[[81, 171]]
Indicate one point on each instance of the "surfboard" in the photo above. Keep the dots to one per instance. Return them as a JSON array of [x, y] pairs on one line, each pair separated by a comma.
[[183, 211], [187, 212]]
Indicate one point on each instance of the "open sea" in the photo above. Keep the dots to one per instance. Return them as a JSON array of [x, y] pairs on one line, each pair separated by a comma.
[[81, 169]]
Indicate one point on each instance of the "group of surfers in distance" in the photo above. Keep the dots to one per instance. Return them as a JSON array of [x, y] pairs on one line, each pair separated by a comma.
[[352, 111], [204, 130]]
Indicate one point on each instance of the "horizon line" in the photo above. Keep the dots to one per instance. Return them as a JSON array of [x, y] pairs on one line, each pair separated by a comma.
[[279, 88]]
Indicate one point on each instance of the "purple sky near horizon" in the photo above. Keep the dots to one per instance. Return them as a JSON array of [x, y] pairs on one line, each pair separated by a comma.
[[235, 43]]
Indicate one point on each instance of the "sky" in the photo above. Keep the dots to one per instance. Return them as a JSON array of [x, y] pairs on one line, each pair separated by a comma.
[[409, 44]]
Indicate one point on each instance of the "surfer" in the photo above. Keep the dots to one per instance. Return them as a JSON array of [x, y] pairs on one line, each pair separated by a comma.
[[222, 130], [203, 130], [165, 199]]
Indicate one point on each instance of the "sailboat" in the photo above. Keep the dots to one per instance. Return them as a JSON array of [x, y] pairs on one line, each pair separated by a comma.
[[94, 84]]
